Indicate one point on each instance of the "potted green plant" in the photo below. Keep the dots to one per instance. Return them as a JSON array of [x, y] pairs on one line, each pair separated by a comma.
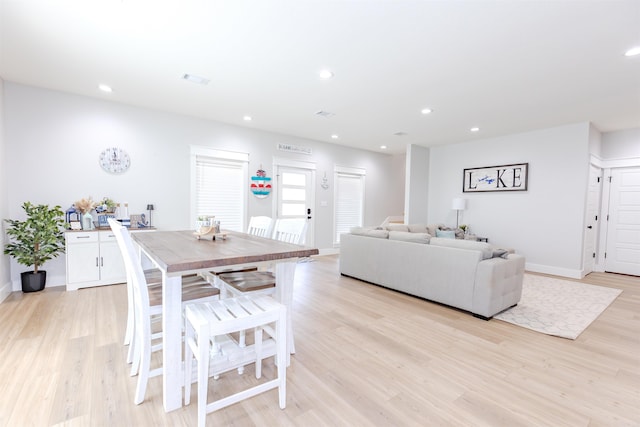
[[35, 241]]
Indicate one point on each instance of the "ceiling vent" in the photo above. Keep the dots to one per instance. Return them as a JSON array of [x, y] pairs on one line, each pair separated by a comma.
[[195, 79], [323, 113]]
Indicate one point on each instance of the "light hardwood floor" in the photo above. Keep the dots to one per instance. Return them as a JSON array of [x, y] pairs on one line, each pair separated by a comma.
[[365, 356]]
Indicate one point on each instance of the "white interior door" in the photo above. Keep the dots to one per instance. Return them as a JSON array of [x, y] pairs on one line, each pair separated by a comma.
[[623, 229], [295, 196], [591, 219]]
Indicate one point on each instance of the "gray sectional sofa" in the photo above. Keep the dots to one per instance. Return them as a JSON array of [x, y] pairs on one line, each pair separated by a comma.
[[469, 275]]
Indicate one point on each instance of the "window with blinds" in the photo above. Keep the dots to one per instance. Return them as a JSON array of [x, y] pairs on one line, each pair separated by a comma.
[[221, 187], [349, 200]]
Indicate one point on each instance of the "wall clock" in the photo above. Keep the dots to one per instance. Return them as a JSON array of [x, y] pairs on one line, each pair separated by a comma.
[[115, 160]]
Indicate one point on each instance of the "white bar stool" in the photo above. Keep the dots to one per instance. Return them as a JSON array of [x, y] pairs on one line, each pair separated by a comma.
[[207, 340]]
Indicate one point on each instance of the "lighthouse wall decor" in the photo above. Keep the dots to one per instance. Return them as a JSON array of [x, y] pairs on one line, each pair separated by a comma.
[[261, 184]]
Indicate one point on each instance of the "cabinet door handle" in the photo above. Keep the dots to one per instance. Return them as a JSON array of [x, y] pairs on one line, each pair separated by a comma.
[[101, 262], [97, 262], [82, 237]]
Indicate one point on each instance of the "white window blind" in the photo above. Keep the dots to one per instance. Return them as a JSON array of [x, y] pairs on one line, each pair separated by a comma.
[[349, 201], [220, 190]]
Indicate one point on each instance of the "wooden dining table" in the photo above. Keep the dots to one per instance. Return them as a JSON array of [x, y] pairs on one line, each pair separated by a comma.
[[177, 253]]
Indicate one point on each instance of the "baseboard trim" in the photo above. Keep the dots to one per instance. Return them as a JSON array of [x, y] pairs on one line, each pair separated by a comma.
[[556, 271], [5, 291]]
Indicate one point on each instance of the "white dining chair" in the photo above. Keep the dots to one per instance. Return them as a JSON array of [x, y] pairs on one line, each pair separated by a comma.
[[290, 230], [147, 305], [260, 226], [209, 343]]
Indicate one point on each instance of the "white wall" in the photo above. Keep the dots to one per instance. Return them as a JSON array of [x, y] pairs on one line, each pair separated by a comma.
[[53, 140], [622, 144], [416, 184], [5, 273], [544, 223]]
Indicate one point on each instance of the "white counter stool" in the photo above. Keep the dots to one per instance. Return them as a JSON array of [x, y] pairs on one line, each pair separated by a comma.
[[147, 306], [207, 339]]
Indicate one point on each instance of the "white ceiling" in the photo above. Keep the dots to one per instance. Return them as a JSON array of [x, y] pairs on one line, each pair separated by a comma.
[[504, 66]]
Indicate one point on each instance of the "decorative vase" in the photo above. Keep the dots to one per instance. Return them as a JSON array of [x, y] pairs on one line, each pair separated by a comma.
[[87, 221]]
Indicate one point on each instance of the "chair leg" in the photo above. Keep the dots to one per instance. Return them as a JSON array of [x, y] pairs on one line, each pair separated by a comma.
[[203, 373], [282, 358], [135, 362], [188, 361], [132, 342], [258, 349], [143, 373]]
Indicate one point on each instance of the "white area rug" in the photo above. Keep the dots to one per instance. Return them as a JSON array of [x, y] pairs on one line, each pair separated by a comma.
[[558, 307]]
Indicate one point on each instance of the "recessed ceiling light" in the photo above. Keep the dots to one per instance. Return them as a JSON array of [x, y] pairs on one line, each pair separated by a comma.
[[633, 51], [105, 88], [325, 74], [401, 133], [247, 118], [474, 129], [334, 136], [195, 79], [383, 147], [426, 111]]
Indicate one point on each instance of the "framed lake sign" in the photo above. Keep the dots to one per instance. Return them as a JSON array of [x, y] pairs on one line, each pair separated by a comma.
[[496, 178]]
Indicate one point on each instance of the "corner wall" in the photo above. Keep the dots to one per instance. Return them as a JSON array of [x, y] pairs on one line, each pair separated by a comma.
[[544, 223], [5, 273]]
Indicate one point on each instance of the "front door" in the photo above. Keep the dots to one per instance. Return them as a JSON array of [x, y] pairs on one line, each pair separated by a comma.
[[623, 230], [295, 196]]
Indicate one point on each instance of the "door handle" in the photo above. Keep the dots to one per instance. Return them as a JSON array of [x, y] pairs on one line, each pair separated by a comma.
[[589, 227]]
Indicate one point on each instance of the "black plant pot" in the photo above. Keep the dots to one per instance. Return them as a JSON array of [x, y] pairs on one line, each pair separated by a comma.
[[33, 282]]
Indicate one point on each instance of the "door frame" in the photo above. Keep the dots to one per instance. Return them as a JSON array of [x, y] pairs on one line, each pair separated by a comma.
[[279, 162], [606, 166]]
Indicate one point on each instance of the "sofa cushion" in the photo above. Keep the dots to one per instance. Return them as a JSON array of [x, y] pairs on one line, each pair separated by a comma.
[[485, 248], [370, 232], [407, 236], [397, 227], [418, 228], [446, 234]]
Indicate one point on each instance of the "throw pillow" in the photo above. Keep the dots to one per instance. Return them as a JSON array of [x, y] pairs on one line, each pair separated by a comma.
[[500, 253], [447, 234]]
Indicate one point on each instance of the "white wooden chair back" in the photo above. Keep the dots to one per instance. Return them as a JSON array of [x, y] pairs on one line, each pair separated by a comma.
[[290, 230], [142, 335], [260, 226], [136, 278]]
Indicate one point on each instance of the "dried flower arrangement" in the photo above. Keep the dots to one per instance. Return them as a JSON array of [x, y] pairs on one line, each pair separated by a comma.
[[85, 205]]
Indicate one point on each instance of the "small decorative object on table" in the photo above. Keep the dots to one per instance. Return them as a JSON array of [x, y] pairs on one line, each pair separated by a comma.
[[103, 219], [206, 226], [138, 221]]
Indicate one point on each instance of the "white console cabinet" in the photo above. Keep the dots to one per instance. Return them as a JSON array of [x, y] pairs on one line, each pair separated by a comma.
[[93, 259]]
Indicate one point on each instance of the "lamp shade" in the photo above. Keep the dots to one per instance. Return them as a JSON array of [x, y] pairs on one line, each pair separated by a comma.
[[150, 207], [459, 204]]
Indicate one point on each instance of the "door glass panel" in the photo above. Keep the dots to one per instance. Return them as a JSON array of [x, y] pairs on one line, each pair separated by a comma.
[[293, 209], [289, 178], [298, 194]]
